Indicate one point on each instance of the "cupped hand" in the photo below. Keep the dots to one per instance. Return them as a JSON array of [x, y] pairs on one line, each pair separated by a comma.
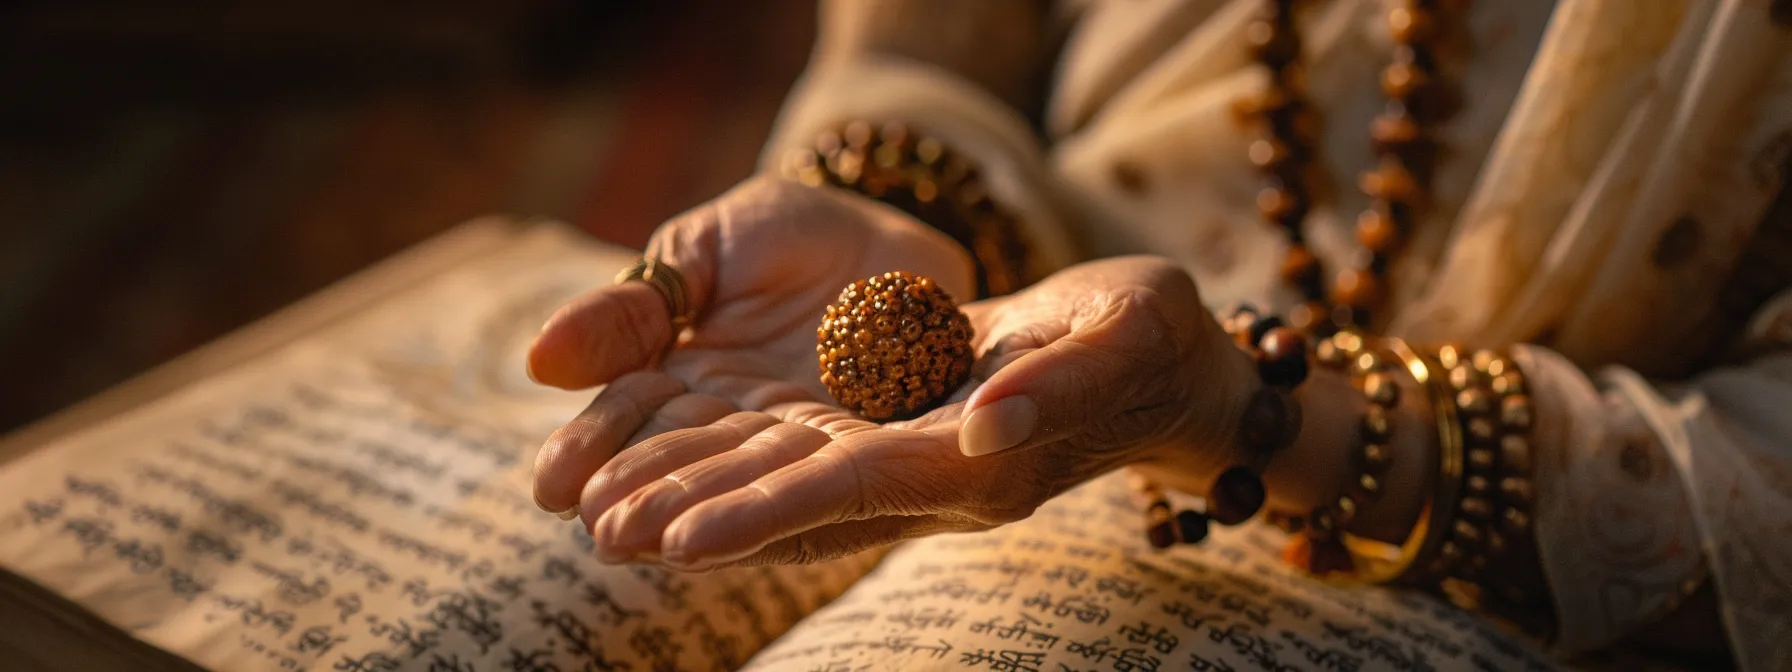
[[761, 262], [1105, 364]]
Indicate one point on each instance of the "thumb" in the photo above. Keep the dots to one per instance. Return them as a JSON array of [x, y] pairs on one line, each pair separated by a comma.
[[625, 327], [1071, 386]]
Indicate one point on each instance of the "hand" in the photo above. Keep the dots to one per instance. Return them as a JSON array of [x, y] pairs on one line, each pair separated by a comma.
[[761, 262], [1106, 364]]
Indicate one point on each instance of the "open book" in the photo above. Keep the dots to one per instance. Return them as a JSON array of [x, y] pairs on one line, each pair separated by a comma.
[[345, 487]]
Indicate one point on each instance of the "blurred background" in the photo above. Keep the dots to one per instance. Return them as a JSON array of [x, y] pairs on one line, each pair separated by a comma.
[[172, 171]]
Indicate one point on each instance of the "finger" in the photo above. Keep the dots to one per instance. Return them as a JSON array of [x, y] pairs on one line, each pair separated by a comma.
[[683, 412], [613, 330], [575, 451], [601, 335], [858, 477], [653, 459], [1090, 375], [634, 525], [838, 540]]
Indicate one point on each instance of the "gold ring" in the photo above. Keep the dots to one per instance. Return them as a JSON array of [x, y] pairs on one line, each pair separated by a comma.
[[670, 284]]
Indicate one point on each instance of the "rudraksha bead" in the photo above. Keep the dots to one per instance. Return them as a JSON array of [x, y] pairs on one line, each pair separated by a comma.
[[893, 346]]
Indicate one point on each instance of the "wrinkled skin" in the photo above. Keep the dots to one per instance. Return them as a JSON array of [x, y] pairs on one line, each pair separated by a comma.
[[727, 450]]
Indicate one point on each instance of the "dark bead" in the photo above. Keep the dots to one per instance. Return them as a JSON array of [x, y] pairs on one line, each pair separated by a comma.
[[1284, 362], [1191, 526], [1299, 267], [1236, 496], [1261, 327], [1161, 535], [1271, 421]]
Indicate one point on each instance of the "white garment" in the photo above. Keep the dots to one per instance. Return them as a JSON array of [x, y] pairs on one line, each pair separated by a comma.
[[1589, 129]]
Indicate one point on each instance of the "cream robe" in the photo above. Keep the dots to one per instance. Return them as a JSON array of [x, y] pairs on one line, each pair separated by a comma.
[[1611, 162]]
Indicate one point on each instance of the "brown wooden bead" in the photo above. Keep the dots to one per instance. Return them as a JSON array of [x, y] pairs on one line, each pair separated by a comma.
[[1390, 182], [1463, 377], [1299, 267], [1449, 356], [1375, 457], [1236, 497], [1284, 362], [1376, 230], [1403, 81], [1356, 287], [1282, 205], [1329, 354], [1392, 132], [1346, 509], [1477, 484], [1410, 24], [1466, 533], [1271, 44], [1310, 316], [1516, 521]]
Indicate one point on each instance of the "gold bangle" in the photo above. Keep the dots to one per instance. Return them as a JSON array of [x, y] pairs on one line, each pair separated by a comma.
[[1408, 565]]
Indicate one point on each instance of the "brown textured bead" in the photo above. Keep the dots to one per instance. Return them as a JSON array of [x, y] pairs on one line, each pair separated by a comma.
[[1356, 287], [1381, 389], [1449, 356], [893, 346], [1480, 459], [1463, 377], [1376, 230], [1236, 497], [1477, 508]]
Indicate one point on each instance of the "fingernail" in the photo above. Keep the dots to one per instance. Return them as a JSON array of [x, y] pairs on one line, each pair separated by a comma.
[[529, 368], [567, 514], [998, 426]]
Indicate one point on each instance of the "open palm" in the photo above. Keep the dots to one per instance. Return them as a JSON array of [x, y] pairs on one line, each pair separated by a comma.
[[761, 263]]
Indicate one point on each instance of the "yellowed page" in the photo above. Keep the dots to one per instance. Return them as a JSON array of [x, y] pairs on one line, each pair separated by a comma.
[[1076, 588], [358, 500]]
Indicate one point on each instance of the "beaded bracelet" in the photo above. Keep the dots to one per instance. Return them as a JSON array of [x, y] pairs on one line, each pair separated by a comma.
[[920, 176], [1319, 543], [1271, 422], [1491, 544]]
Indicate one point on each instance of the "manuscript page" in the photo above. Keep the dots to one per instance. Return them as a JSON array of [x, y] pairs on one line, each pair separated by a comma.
[[359, 500], [1076, 588]]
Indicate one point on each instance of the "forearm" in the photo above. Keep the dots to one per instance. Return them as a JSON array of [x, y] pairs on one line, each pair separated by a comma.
[[1004, 46]]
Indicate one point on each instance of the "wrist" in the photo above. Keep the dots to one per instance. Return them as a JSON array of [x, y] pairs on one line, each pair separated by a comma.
[[923, 178], [1321, 466]]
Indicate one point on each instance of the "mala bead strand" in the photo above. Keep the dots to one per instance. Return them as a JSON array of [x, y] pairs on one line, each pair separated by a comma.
[[1285, 152], [1405, 155], [1271, 422]]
